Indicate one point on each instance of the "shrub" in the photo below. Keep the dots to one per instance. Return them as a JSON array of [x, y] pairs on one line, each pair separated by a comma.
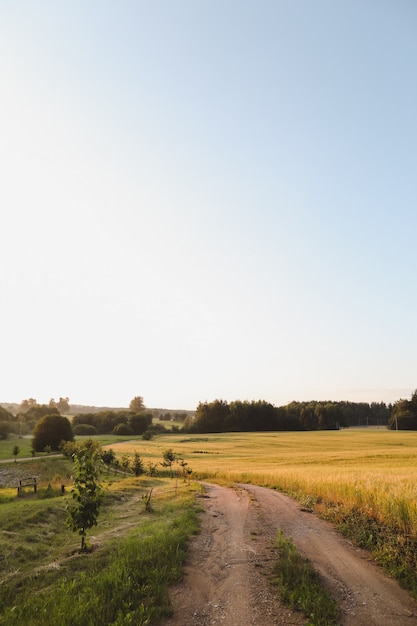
[[140, 422], [122, 429], [108, 456], [50, 431], [85, 429]]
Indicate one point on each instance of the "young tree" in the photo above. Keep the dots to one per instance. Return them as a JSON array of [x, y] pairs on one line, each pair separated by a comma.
[[87, 493], [125, 462], [108, 456], [169, 459], [152, 468], [185, 470], [137, 465], [16, 451]]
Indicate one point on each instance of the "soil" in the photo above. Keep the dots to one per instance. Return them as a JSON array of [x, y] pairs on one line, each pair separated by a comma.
[[227, 577]]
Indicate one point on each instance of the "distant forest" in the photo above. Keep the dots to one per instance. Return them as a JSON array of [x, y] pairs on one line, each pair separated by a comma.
[[220, 416]]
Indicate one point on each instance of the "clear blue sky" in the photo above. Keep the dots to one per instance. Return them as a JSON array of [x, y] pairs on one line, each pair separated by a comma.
[[213, 199]]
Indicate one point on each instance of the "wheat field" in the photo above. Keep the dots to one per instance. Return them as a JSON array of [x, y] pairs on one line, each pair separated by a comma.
[[374, 470]]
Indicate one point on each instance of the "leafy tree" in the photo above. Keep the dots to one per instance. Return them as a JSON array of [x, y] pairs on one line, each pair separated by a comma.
[[104, 421], [69, 448], [136, 405], [210, 417], [62, 405], [25, 405], [404, 414], [87, 493], [37, 411], [51, 430], [4, 430], [5, 415], [139, 422]]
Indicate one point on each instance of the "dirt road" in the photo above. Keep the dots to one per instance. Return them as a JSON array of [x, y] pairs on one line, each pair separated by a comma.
[[226, 579]]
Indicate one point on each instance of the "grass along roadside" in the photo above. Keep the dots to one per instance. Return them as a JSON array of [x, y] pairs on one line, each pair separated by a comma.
[[300, 587], [124, 579]]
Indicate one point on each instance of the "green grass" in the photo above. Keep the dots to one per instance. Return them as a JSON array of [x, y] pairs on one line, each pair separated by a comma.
[[7, 445], [300, 586], [124, 579], [25, 445]]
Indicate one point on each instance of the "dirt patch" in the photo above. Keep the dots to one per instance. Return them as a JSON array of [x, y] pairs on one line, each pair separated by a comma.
[[10, 475], [226, 578]]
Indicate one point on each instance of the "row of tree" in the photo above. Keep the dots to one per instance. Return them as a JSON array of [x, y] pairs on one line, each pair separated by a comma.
[[62, 404], [115, 422], [220, 416], [24, 422], [134, 421]]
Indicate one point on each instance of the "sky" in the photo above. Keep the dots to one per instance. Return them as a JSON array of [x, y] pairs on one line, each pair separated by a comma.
[[208, 200]]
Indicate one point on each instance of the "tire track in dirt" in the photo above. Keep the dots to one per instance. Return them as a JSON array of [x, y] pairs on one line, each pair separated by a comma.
[[223, 582], [365, 595], [226, 576]]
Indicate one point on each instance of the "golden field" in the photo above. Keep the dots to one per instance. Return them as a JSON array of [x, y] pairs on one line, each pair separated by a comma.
[[371, 470]]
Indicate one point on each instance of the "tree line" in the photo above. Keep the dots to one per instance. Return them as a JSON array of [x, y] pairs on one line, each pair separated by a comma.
[[221, 416], [123, 422]]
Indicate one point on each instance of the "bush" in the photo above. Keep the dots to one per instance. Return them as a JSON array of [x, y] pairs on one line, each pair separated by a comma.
[[85, 429], [158, 428], [50, 431], [139, 422], [122, 429]]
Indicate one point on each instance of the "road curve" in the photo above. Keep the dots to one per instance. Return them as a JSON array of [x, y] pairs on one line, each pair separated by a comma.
[[226, 577]]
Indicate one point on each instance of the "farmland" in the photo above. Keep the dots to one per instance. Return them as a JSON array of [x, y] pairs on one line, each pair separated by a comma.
[[370, 469], [363, 480]]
